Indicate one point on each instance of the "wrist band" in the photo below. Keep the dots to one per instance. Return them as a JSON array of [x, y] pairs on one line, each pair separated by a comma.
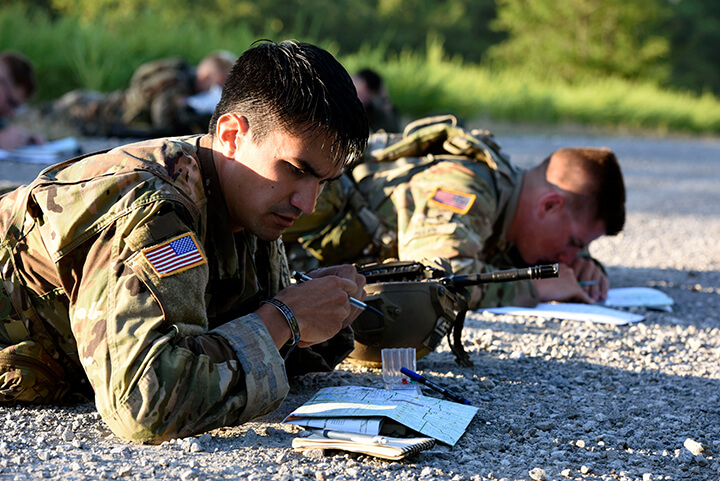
[[289, 317]]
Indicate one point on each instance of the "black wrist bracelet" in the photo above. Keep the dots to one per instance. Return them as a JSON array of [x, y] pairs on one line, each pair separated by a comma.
[[289, 317]]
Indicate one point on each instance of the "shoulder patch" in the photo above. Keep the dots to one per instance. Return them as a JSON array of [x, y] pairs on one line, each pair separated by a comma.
[[175, 255], [453, 200]]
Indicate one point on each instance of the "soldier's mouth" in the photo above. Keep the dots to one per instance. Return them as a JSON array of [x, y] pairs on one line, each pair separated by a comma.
[[285, 220]]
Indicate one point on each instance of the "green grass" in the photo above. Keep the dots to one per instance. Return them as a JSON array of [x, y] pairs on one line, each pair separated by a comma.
[[103, 58], [434, 84]]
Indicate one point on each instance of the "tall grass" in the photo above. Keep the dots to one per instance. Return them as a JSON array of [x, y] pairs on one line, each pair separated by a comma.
[[433, 83], [70, 54]]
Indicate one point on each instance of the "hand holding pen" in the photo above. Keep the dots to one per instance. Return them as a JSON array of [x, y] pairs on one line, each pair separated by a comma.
[[313, 311], [300, 277]]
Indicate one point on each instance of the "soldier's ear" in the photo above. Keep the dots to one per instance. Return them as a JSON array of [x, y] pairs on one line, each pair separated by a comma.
[[550, 203], [232, 130]]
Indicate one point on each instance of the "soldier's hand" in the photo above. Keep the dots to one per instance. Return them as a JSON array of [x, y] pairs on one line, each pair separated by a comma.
[[321, 306], [564, 288], [588, 271], [345, 271]]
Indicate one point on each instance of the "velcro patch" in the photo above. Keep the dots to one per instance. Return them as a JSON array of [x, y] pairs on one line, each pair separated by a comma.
[[175, 255], [456, 201]]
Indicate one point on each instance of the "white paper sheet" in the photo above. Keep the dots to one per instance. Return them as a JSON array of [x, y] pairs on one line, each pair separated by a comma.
[[47, 153], [571, 312], [369, 426], [637, 297]]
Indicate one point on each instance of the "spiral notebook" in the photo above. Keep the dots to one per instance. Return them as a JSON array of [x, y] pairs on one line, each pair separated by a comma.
[[380, 446]]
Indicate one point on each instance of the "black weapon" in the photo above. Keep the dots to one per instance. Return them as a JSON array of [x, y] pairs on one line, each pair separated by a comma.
[[400, 271], [544, 271], [455, 287]]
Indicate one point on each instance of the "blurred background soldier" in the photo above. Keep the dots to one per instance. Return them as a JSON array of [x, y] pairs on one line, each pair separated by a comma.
[[374, 97], [166, 97], [17, 86]]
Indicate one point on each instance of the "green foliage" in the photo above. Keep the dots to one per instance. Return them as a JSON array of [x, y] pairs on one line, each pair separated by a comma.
[[30, 32], [694, 33], [95, 56], [615, 62], [350, 23], [476, 92], [578, 39]]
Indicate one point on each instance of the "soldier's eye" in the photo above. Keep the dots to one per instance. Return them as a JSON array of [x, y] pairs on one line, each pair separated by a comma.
[[297, 170]]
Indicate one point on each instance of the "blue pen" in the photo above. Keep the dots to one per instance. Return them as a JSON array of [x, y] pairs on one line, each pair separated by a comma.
[[448, 394], [587, 283]]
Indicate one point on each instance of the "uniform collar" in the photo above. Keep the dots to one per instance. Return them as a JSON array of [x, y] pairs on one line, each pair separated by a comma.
[[220, 239]]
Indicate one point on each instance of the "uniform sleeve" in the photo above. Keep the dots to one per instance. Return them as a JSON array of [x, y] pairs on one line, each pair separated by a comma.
[[138, 314], [448, 211]]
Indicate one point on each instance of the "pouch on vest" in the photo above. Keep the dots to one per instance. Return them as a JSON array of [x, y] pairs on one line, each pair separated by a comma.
[[342, 227]]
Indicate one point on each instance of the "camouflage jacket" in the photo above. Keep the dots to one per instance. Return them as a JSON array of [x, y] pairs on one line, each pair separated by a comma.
[[125, 262], [460, 209], [154, 89], [424, 205]]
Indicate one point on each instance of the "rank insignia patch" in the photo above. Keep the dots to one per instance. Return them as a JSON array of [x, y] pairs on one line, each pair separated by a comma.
[[455, 201], [174, 256]]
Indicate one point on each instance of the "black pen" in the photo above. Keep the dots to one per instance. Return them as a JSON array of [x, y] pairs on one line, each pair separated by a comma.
[[448, 394], [299, 276]]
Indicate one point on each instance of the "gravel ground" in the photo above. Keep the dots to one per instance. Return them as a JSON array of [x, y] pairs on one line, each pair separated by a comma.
[[557, 400]]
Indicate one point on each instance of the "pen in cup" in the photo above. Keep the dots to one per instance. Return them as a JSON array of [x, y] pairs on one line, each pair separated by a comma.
[[445, 392], [299, 276]]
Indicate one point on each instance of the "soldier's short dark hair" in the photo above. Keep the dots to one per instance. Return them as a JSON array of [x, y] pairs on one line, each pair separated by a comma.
[[607, 198], [21, 71], [299, 88]]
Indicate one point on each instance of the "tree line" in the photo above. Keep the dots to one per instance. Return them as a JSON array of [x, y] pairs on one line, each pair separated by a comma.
[[672, 42]]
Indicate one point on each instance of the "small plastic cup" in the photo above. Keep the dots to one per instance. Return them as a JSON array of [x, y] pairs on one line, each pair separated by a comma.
[[392, 361]]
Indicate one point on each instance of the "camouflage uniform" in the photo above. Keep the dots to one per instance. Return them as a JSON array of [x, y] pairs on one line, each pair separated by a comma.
[[152, 104], [457, 206], [461, 210], [168, 351], [152, 98]]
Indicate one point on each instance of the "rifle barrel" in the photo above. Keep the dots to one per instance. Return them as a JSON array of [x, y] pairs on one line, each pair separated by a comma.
[[544, 271]]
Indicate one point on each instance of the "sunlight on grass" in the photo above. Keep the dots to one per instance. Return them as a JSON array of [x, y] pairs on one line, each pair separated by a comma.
[[98, 57]]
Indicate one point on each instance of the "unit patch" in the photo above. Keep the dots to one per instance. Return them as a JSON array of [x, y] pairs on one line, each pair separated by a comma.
[[175, 255], [453, 200]]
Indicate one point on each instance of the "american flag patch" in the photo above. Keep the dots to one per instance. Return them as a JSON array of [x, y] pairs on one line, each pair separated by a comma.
[[456, 201], [174, 256]]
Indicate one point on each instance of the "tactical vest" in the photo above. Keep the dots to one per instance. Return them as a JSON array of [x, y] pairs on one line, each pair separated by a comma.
[[348, 224]]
